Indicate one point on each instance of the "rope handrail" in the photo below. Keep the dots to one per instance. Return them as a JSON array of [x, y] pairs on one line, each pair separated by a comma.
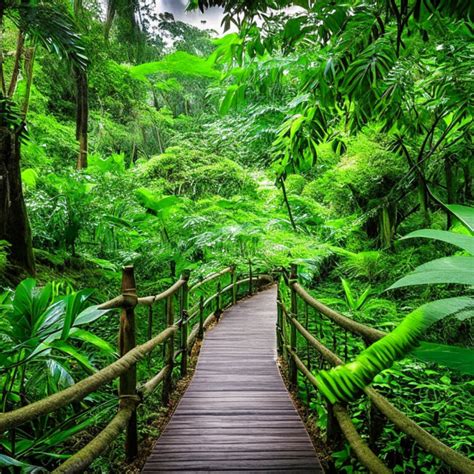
[[211, 277], [368, 333], [403, 422], [151, 300], [84, 387]]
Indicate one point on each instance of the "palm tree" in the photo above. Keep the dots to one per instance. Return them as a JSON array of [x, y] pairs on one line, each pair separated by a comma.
[[44, 23]]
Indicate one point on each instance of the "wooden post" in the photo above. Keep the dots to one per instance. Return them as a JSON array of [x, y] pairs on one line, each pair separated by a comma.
[[293, 370], [201, 317], [233, 276], [278, 328], [218, 311], [150, 330], [250, 278], [169, 354], [183, 311], [128, 381]]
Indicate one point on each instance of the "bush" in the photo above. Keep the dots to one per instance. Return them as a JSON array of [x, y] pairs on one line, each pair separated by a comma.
[[365, 175], [195, 173]]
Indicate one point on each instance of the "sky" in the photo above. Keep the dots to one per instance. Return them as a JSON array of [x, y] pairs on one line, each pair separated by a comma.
[[212, 17]]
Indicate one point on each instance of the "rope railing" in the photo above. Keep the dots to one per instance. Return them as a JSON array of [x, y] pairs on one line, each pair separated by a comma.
[[287, 346], [131, 394]]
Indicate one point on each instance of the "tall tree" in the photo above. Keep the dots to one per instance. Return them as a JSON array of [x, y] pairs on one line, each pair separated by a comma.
[[82, 100], [48, 24]]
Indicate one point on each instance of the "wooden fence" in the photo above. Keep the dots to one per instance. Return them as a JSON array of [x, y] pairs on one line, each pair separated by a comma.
[[292, 323], [180, 316]]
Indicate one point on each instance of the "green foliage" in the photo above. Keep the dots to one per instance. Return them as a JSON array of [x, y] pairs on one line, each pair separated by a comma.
[[195, 173], [343, 382], [176, 64]]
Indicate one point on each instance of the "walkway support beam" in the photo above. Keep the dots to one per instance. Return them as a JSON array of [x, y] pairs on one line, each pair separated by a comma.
[[293, 371], [183, 314], [128, 380]]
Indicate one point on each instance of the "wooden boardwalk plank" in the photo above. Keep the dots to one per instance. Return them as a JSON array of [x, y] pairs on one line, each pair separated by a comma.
[[237, 415]]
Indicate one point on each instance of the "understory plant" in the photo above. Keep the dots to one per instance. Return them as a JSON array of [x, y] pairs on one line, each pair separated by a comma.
[[344, 382]]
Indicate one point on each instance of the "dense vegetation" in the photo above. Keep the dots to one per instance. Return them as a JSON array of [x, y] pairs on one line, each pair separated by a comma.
[[318, 136]]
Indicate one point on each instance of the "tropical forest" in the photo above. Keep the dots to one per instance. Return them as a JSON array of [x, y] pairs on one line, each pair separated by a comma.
[[236, 236]]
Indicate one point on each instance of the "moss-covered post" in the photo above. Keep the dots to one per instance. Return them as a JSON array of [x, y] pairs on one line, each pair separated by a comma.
[[233, 281], [150, 330], [183, 311], [128, 381], [279, 327], [201, 314], [218, 311], [293, 371], [169, 353], [250, 278]]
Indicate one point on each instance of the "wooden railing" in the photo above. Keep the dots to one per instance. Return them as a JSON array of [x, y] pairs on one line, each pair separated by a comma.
[[292, 323], [192, 305]]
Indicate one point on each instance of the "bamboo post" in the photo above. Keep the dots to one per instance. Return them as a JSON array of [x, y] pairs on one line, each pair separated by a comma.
[[280, 340], [218, 311], [183, 310], [201, 314], [279, 321], [169, 354], [293, 371], [233, 276], [150, 330], [128, 381], [250, 278], [201, 317]]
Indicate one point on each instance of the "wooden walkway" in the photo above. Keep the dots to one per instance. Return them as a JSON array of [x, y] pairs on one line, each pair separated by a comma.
[[236, 414]]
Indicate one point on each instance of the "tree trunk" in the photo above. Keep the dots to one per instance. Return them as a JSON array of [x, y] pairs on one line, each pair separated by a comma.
[[14, 224], [29, 63], [423, 197], [287, 203], [16, 67], [82, 115], [450, 187], [467, 182]]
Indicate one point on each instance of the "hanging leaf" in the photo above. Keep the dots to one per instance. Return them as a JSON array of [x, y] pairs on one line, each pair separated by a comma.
[[452, 357], [465, 242], [458, 270]]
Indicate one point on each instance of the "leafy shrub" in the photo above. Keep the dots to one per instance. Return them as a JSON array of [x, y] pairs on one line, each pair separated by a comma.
[[196, 173], [368, 265], [365, 174], [295, 184]]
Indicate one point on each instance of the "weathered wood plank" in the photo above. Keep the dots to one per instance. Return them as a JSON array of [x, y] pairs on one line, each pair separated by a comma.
[[236, 414]]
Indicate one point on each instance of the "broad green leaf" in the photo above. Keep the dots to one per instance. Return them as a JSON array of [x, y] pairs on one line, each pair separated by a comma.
[[86, 336], [464, 214], [465, 242], [89, 315], [29, 178], [67, 349], [348, 292], [8, 462], [452, 357], [455, 269], [363, 298]]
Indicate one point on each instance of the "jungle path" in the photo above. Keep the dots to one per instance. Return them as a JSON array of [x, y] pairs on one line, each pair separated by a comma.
[[237, 415]]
